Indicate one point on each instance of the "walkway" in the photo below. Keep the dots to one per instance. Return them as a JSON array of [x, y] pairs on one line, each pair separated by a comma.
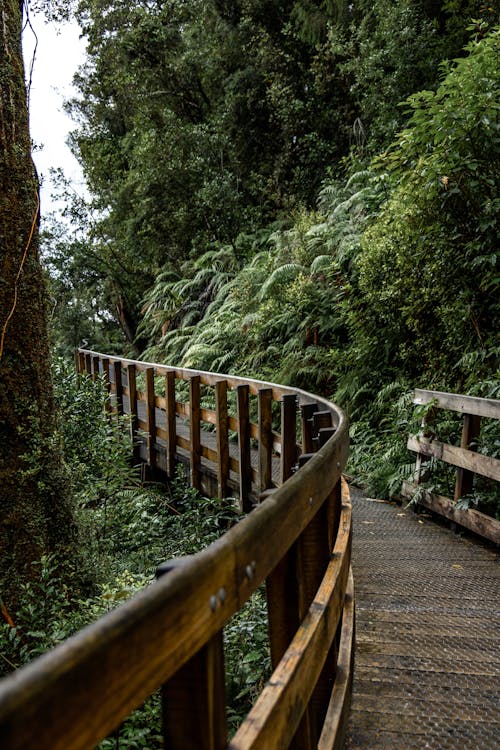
[[427, 662]]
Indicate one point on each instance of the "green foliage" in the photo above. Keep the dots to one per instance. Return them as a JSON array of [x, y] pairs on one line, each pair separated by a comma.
[[246, 650], [391, 49], [392, 283], [427, 270], [129, 528], [43, 618]]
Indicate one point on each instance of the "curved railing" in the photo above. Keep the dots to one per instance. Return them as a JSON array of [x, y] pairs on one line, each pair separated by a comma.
[[297, 538]]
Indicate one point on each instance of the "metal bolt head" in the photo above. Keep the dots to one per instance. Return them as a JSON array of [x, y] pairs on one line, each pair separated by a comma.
[[222, 595], [213, 603]]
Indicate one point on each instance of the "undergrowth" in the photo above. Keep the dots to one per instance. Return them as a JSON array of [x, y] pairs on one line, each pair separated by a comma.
[[128, 528]]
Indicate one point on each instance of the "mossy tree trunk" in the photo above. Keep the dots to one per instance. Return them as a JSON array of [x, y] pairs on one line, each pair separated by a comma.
[[35, 515]]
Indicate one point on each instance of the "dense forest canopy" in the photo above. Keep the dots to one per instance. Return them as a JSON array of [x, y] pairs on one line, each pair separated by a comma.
[[303, 191]]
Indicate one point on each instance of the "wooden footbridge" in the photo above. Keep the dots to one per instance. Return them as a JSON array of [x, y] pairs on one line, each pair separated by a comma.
[[427, 625]]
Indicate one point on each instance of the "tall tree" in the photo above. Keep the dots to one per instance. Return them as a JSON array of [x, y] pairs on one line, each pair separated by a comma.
[[35, 516], [198, 122]]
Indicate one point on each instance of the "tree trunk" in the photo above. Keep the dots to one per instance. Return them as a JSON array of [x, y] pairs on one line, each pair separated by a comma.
[[35, 515]]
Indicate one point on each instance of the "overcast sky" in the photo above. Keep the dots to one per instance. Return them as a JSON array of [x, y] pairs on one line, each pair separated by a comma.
[[60, 51]]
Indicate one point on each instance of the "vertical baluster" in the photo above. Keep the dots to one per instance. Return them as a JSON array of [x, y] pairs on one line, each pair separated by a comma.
[[194, 699], [170, 418], [288, 436], [321, 420], [281, 584], [242, 396], [117, 377], [95, 367], [88, 364], [265, 400], [81, 362], [105, 370], [76, 358], [132, 405], [151, 416], [306, 413], [221, 426], [465, 479], [422, 461], [194, 428]]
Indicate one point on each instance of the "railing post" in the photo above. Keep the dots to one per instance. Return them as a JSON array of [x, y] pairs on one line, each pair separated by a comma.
[[88, 364], [265, 448], [105, 371], [81, 362], [242, 396], [151, 416], [194, 699], [470, 431], [221, 428], [293, 584], [321, 420], [288, 436], [306, 414], [170, 418], [421, 461], [117, 378], [95, 367], [132, 405], [317, 544], [194, 430]]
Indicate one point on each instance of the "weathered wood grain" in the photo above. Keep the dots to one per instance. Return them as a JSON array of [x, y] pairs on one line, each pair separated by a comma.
[[245, 466], [194, 430], [333, 732], [288, 440], [265, 438], [480, 407], [222, 427], [470, 431], [466, 459], [132, 400], [274, 718], [118, 386], [170, 422]]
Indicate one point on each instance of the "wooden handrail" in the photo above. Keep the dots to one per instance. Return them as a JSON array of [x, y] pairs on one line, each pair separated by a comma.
[[466, 460], [297, 538]]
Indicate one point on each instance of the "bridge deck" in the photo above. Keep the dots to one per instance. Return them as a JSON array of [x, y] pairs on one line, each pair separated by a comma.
[[427, 630]]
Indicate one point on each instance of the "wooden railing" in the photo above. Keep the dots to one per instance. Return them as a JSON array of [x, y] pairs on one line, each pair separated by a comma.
[[465, 458], [296, 537]]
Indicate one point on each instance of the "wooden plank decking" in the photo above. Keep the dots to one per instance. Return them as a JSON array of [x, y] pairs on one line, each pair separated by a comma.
[[427, 661]]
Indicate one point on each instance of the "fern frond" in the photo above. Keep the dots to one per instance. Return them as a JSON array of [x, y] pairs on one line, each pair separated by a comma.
[[321, 264], [281, 275]]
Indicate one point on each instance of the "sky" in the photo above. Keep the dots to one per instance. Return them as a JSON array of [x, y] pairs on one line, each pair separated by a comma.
[[59, 52]]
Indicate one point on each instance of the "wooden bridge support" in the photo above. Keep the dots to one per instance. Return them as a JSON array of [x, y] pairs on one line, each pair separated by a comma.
[[194, 699]]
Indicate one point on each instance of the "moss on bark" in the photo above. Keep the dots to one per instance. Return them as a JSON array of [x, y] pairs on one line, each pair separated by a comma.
[[35, 512]]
